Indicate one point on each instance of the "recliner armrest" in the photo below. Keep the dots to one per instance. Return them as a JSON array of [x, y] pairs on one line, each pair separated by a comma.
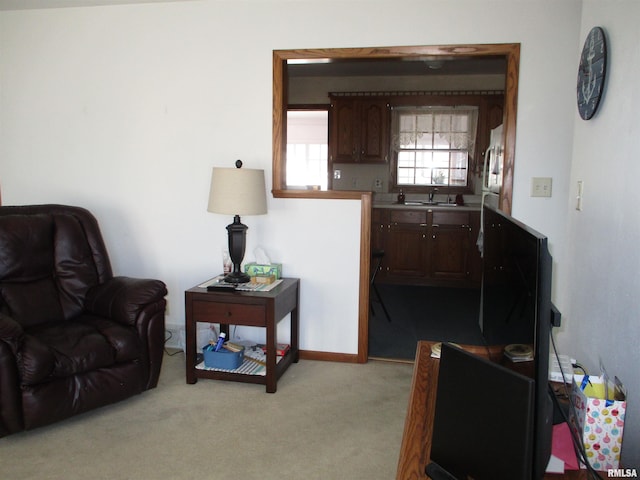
[[123, 298]]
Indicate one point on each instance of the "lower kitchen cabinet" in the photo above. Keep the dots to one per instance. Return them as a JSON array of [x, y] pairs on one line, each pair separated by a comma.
[[450, 245], [427, 246], [405, 244]]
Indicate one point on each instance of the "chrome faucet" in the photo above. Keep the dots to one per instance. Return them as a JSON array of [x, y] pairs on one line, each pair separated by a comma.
[[431, 194]]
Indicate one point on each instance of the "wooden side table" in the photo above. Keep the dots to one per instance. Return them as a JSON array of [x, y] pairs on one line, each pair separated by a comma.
[[255, 309]]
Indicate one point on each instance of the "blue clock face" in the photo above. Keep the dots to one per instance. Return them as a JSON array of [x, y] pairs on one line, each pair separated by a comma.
[[591, 73]]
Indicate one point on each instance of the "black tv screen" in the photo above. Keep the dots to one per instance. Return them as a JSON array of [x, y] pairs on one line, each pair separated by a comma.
[[516, 309], [483, 426]]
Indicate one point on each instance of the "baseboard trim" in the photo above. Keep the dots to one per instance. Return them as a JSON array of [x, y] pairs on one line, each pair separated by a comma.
[[393, 360], [329, 356]]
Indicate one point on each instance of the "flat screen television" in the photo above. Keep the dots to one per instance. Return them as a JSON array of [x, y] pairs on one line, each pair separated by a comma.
[[516, 308], [483, 427]]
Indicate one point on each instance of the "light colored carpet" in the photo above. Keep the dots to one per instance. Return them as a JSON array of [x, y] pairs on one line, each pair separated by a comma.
[[327, 421]]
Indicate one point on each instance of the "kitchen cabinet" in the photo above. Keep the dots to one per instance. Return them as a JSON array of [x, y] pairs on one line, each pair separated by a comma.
[[359, 130], [379, 226], [406, 245], [450, 245], [435, 246]]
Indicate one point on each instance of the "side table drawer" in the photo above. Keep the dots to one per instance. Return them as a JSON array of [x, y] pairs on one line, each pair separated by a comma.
[[229, 313]]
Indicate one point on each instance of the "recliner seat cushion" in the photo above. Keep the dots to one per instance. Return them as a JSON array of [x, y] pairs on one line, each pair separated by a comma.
[[85, 344]]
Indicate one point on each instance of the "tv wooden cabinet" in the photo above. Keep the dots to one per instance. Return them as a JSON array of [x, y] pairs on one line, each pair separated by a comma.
[[416, 439], [255, 309]]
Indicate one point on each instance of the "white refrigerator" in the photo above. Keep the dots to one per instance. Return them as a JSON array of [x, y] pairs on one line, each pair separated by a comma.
[[491, 176], [493, 163]]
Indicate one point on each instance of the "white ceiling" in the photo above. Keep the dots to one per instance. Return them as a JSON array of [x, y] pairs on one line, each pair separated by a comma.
[[33, 4]]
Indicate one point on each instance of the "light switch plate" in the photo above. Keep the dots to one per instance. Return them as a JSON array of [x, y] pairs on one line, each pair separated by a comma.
[[579, 195], [541, 187]]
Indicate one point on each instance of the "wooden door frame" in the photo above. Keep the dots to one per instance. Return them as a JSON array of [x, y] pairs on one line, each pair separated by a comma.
[[511, 52]]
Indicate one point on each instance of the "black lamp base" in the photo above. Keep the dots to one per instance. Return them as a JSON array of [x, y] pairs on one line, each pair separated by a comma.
[[237, 233], [237, 277]]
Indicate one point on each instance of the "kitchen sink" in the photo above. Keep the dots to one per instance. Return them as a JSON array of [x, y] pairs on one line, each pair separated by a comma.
[[426, 204]]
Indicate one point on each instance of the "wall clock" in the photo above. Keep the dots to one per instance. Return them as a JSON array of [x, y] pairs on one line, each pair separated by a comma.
[[591, 73]]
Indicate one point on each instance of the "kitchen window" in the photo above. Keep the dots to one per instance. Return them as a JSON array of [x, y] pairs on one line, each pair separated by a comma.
[[432, 145]]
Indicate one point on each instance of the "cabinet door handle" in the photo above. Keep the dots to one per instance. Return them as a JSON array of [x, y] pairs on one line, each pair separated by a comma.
[[435, 225]]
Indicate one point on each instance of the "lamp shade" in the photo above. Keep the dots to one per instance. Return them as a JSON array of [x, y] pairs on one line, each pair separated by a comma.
[[237, 191]]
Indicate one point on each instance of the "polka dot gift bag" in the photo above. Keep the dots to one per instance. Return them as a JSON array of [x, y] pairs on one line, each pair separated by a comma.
[[598, 417]]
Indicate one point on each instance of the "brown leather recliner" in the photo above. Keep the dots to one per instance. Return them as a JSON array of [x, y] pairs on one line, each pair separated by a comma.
[[72, 336]]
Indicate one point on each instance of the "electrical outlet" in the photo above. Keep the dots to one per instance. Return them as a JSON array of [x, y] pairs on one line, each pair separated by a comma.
[[337, 174], [174, 335], [377, 183], [555, 372], [541, 187]]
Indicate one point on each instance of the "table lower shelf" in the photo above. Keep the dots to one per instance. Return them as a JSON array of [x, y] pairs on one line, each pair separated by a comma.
[[250, 366], [257, 376]]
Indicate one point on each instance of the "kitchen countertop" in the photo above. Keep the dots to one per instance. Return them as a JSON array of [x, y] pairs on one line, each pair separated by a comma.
[[467, 207]]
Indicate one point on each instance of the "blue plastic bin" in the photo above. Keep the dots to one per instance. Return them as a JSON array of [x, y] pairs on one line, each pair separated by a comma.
[[222, 359]]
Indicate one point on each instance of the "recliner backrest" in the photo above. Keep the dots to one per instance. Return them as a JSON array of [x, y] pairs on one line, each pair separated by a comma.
[[50, 256]]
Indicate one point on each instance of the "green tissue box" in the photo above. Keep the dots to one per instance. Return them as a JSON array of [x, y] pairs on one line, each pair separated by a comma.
[[254, 269]]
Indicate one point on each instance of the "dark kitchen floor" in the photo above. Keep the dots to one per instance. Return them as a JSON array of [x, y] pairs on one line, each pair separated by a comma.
[[422, 313]]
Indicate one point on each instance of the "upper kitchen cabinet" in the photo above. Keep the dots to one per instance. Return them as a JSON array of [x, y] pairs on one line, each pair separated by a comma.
[[358, 130]]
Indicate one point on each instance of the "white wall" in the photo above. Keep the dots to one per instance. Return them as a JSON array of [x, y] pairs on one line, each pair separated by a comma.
[[603, 263], [125, 109]]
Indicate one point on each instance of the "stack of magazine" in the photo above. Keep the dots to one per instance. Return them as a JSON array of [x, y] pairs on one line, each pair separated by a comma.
[[218, 283]]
